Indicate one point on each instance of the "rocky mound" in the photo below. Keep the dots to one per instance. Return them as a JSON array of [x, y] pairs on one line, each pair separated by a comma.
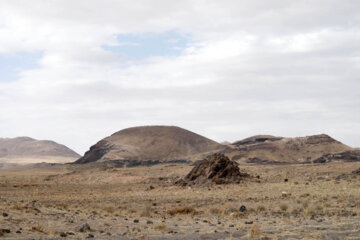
[[154, 144], [265, 149], [28, 150], [217, 169]]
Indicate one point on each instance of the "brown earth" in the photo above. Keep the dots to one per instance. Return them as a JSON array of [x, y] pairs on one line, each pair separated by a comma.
[[25, 150], [214, 169], [265, 149], [156, 144]]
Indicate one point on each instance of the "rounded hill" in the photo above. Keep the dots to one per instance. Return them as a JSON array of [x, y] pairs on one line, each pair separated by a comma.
[[150, 143]]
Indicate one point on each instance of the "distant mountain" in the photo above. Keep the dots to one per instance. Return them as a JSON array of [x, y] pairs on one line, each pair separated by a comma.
[[23, 150], [141, 145], [266, 149]]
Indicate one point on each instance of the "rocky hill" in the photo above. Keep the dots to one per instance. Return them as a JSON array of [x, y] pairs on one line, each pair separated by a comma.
[[23, 150], [266, 149], [150, 144]]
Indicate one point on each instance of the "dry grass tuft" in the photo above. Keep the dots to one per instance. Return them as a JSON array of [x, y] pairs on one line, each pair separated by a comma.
[[182, 210]]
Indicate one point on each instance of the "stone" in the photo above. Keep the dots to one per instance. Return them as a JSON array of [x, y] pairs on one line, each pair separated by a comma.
[[242, 208]]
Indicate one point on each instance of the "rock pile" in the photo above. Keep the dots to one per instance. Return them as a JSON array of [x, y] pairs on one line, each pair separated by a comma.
[[217, 169]]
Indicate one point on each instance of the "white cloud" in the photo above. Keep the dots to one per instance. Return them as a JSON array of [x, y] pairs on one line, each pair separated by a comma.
[[278, 67]]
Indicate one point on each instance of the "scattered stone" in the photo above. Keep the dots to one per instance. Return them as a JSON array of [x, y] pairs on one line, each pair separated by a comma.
[[249, 222], [216, 168], [136, 220], [151, 187], [231, 225], [5, 230], [5, 214], [18, 231], [242, 208], [83, 228], [149, 222], [70, 233], [90, 235], [63, 234], [286, 180]]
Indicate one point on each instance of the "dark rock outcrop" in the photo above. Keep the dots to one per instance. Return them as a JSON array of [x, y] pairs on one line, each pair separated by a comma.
[[214, 169], [348, 156]]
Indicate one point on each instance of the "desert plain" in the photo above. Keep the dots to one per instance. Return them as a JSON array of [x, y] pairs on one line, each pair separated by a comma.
[[286, 201]]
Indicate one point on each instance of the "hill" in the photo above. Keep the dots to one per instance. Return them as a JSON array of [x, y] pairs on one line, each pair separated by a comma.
[[265, 149], [141, 145], [23, 150]]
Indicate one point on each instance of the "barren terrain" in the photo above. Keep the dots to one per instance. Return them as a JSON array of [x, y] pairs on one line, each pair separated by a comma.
[[284, 202]]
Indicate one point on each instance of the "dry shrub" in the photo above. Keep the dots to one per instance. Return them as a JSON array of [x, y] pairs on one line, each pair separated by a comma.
[[254, 231], [313, 211], [305, 204], [297, 209], [304, 195], [283, 207], [160, 227], [216, 211], [182, 210], [260, 208], [230, 209], [37, 228], [146, 212], [109, 209]]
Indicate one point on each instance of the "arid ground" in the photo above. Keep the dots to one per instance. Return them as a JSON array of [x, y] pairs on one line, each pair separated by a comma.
[[320, 201]]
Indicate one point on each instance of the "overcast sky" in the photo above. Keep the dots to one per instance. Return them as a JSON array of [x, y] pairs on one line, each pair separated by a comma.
[[77, 71]]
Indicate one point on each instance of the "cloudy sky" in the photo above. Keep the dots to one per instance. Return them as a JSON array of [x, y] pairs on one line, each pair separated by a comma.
[[77, 71]]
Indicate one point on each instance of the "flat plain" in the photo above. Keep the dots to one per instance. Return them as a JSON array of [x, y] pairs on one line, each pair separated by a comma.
[[303, 201]]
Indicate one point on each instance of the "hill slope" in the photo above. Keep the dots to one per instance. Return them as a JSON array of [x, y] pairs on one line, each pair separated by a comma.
[[23, 150], [270, 149], [150, 143]]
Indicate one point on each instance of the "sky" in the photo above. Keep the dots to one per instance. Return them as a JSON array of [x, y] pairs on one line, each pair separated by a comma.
[[77, 71]]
